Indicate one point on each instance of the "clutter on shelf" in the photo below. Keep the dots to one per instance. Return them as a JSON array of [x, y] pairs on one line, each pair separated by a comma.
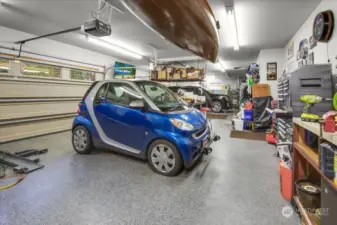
[[177, 73]]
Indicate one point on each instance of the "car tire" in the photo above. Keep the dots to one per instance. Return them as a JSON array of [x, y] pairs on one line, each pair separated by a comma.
[[217, 106], [81, 140], [164, 158]]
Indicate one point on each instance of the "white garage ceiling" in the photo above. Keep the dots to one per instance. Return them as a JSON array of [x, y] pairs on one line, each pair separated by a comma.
[[261, 24]]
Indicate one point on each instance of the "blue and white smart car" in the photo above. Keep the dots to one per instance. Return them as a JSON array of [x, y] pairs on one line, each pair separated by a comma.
[[143, 119]]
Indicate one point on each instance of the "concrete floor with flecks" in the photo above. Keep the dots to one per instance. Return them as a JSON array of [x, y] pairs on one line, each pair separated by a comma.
[[237, 184]]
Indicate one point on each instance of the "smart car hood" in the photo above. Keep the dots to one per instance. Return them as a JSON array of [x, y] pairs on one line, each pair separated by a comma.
[[194, 117], [190, 24]]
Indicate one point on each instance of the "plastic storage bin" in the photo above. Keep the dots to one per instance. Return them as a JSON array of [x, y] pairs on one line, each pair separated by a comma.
[[237, 124], [326, 159], [248, 115]]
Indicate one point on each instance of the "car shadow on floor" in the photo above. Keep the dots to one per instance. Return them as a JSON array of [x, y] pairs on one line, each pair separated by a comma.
[[197, 170]]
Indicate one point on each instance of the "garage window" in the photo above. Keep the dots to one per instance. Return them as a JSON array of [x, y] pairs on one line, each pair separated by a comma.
[[36, 69], [82, 75], [121, 94], [4, 65]]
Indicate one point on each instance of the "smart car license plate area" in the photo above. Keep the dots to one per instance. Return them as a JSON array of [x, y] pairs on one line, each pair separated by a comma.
[[205, 149], [206, 141]]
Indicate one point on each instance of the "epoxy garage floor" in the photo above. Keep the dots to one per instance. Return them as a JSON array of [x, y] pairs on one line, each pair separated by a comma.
[[237, 184]]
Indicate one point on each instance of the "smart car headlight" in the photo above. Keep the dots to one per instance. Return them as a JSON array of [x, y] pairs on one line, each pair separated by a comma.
[[182, 124]]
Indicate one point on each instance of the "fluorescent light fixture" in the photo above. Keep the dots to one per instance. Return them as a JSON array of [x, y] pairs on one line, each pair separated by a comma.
[[114, 48], [4, 68], [218, 65], [233, 29], [116, 42], [221, 66]]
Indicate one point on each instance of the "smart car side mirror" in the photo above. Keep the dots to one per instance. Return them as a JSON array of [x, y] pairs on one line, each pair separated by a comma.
[[137, 104]]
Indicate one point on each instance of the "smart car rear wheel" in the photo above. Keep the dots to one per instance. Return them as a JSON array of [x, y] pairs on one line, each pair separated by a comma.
[[164, 158], [82, 140]]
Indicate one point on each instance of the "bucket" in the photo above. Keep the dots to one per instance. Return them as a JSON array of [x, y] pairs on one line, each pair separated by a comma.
[[285, 181], [309, 194], [237, 124]]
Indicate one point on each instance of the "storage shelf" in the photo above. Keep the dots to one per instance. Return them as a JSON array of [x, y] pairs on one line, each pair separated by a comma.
[[308, 154], [186, 80], [310, 126], [316, 129], [313, 159], [308, 217]]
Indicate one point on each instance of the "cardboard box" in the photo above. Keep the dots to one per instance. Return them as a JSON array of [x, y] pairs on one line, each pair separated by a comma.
[[184, 74], [162, 74], [193, 75], [176, 76], [260, 90]]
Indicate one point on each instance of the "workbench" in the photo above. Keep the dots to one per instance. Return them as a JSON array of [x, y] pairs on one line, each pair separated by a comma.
[[306, 165]]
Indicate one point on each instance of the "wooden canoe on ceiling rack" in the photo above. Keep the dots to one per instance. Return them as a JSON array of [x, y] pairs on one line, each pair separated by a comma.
[[190, 24]]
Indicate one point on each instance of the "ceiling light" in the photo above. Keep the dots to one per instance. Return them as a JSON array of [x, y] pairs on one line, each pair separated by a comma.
[[114, 48], [233, 29], [221, 66], [114, 41]]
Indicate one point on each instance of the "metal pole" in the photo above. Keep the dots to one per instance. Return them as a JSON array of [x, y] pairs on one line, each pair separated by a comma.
[[52, 57], [48, 35]]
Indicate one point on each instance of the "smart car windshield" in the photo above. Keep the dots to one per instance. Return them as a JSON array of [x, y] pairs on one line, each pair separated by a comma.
[[161, 96]]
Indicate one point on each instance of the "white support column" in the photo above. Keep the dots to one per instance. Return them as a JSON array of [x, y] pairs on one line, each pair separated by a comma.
[[65, 73], [15, 67], [99, 76]]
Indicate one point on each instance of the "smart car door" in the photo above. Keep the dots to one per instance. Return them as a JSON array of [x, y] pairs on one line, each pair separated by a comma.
[[123, 124]]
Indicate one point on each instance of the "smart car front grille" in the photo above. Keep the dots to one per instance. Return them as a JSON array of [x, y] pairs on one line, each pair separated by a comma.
[[200, 132]]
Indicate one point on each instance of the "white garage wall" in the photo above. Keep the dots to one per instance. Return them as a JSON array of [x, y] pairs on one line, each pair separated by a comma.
[[320, 51], [267, 56]]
